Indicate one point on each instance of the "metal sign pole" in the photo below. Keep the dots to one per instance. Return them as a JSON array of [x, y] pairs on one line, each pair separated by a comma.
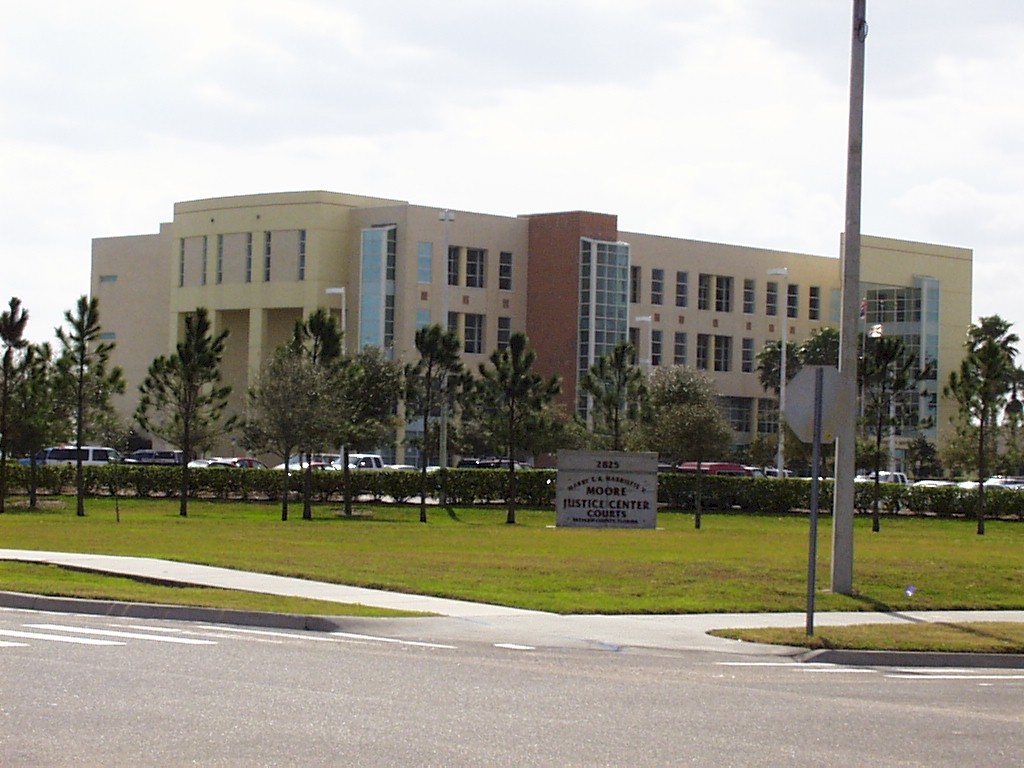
[[812, 557]]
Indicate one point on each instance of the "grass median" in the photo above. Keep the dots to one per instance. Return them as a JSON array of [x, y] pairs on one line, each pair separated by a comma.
[[734, 563]]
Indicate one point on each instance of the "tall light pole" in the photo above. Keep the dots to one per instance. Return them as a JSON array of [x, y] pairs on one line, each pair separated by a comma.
[[842, 509], [780, 454], [446, 216], [647, 362], [340, 291]]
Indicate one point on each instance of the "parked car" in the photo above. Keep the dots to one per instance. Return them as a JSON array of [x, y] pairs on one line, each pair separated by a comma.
[[489, 462], [149, 456], [241, 462], [929, 483], [716, 468], [92, 455], [883, 477]]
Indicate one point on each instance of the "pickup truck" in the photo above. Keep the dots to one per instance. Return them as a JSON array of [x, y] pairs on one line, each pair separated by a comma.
[[365, 461]]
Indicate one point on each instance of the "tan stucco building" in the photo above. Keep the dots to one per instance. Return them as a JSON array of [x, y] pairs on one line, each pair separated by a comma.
[[573, 281]]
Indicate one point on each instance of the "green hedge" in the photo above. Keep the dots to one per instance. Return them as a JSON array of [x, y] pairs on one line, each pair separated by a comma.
[[536, 488]]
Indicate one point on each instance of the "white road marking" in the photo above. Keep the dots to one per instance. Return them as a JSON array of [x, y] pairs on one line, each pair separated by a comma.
[[57, 638], [126, 635], [965, 676], [6, 644], [515, 647], [392, 640]]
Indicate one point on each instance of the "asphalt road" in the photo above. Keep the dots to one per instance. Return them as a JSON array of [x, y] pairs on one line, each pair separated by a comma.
[[97, 690]]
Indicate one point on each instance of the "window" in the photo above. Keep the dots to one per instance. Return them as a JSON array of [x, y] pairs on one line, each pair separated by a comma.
[[793, 301], [739, 412], [181, 263], [267, 237], [814, 303], [424, 262], [453, 265], [504, 332], [748, 297], [453, 322], [704, 291], [723, 353], [723, 294], [679, 351], [657, 285], [389, 320], [655, 347], [248, 257], [108, 278], [682, 288], [422, 317], [505, 271], [476, 265], [703, 351], [771, 299], [302, 254], [634, 285], [392, 253], [747, 356], [474, 341], [220, 259], [202, 274], [634, 340], [767, 416]]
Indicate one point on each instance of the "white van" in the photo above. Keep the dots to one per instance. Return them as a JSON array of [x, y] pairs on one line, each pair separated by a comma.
[[92, 455]]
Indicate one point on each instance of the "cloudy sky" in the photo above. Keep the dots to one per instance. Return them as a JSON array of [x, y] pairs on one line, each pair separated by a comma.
[[721, 120]]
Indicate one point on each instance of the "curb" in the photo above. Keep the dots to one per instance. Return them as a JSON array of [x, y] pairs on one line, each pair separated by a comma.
[[169, 612], [913, 659]]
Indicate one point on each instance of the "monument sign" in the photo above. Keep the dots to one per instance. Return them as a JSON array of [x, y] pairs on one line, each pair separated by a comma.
[[607, 489]]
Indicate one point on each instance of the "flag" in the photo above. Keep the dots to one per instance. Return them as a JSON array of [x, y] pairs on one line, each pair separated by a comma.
[[863, 309]]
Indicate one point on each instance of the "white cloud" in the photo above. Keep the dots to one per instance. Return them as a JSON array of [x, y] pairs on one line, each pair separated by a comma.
[[706, 119]]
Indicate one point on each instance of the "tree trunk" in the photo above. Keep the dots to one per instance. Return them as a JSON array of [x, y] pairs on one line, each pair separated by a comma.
[[981, 473], [696, 517], [307, 488], [348, 484]]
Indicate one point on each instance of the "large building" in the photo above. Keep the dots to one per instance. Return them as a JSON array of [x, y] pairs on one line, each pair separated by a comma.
[[573, 282]]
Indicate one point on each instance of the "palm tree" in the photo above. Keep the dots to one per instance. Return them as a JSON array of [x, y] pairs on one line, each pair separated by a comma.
[[889, 372], [981, 384], [425, 382]]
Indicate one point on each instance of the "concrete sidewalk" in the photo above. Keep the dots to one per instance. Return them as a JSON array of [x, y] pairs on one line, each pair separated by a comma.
[[479, 621]]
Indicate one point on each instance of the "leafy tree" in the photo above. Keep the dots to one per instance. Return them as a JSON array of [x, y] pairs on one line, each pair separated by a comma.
[[317, 341], [890, 372], [820, 348], [425, 387], [277, 421], [687, 424], [182, 398], [923, 458], [618, 393], [12, 331], [512, 404], [769, 364], [980, 387], [84, 381], [370, 388], [38, 417]]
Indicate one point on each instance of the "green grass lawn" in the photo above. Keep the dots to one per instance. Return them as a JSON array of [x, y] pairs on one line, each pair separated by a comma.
[[734, 563], [974, 637], [53, 580]]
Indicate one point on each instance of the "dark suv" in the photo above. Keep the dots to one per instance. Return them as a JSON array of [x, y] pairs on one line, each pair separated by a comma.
[[148, 456]]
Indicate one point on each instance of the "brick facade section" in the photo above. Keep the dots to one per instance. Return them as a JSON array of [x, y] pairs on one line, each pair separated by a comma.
[[553, 303]]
